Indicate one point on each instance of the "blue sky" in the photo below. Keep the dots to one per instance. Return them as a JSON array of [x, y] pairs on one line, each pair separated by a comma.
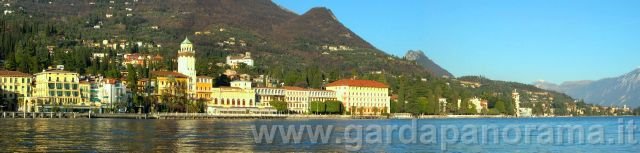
[[512, 40]]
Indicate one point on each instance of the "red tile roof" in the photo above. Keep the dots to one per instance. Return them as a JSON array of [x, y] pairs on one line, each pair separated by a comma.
[[358, 83], [6, 73], [168, 74]]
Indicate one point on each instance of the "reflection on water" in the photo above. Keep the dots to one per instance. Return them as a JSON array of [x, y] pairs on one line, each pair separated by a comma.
[[120, 135]]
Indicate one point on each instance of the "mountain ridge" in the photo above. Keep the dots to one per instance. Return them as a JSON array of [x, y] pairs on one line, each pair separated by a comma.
[[617, 91], [421, 59]]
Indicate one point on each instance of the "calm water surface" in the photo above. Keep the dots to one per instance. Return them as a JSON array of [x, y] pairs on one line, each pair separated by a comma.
[[121, 135]]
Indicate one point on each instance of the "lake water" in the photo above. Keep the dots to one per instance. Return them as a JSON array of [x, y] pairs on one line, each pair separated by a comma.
[[601, 134]]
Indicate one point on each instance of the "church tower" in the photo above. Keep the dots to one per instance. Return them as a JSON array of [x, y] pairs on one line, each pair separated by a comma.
[[516, 100], [187, 63]]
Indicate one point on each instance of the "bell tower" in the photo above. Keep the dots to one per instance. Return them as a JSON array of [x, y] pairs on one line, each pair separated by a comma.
[[187, 63]]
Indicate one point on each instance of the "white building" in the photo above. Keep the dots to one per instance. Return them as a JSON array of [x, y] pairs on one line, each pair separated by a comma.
[[443, 104], [187, 63], [297, 99], [266, 95], [246, 85], [362, 96], [516, 100], [233, 61], [525, 112], [111, 93], [478, 103]]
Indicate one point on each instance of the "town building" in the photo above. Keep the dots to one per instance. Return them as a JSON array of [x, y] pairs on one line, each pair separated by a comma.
[[362, 96], [143, 60], [321, 95], [61, 90], [443, 105], [241, 84], [169, 83], [266, 95], [112, 94], [187, 63], [525, 112], [297, 99], [245, 58], [516, 99], [477, 102], [204, 86], [232, 99], [14, 87]]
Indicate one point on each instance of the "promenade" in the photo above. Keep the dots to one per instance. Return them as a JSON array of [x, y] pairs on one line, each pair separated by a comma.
[[176, 116]]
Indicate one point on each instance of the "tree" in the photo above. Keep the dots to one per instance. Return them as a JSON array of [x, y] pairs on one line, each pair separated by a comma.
[[317, 107], [423, 105], [223, 80], [499, 107], [280, 106], [334, 107], [132, 85]]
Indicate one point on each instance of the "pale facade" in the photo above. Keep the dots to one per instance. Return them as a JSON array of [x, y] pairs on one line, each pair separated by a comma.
[[238, 96], [297, 99], [241, 84], [321, 95], [59, 89], [266, 95], [14, 87], [187, 63], [477, 102], [362, 96], [516, 100], [112, 93], [233, 61]]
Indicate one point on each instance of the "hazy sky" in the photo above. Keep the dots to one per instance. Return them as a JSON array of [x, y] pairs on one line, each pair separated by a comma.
[[513, 40]]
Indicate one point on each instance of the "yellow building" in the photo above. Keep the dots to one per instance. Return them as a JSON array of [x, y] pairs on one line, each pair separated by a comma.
[[14, 87], [237, 98], [168, 83], [85, 91], [61, 90], [204, 86], [362, 96]]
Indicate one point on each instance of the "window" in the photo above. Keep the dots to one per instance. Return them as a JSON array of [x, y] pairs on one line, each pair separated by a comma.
[[66, 86], [59, 86], [68, 93], [75, 86], [59, 93], [51, 93]]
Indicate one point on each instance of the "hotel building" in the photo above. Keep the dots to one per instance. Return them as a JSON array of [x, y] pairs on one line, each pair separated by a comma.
[[362, 96]]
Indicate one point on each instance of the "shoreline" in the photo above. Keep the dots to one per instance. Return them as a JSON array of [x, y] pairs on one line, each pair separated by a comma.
[[203, 116]]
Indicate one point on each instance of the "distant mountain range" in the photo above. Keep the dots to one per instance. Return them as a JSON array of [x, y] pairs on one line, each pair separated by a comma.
[[421, 59], [617, 91]]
